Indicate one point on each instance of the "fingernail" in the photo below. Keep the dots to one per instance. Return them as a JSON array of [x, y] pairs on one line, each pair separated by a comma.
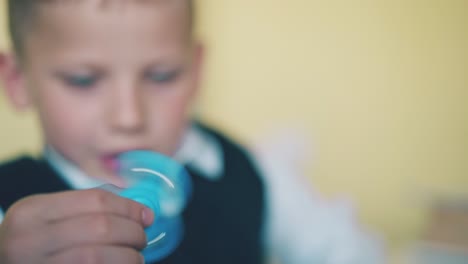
[[147, 216]]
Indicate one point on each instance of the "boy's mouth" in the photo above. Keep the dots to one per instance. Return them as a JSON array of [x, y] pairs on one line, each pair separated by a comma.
[[110, 163]]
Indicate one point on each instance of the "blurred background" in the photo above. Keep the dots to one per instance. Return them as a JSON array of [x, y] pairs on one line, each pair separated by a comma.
[[378, 89]]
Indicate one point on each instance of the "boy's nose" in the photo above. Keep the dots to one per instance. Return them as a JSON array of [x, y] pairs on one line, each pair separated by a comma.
[[126, 113]]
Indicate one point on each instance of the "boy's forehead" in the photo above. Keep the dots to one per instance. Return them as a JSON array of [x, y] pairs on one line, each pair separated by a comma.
[[110, 3], [66, 31], [63, 9], [115, 4]]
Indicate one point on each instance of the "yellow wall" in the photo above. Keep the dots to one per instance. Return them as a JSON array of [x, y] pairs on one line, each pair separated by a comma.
[[380, 86]]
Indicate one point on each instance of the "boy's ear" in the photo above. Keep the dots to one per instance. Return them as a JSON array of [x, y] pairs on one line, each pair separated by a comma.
[[13, 82]]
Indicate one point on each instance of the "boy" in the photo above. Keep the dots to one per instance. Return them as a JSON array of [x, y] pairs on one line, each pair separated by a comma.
[[106, 77]]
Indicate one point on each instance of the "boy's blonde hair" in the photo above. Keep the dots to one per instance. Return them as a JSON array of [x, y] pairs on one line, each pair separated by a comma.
[[22, 13]]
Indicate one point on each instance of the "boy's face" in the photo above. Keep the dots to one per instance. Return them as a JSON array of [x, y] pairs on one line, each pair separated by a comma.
[[110, 78]]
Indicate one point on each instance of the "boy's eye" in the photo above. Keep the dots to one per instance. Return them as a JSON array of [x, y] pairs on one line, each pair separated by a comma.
[[80, 81], [162, 77]]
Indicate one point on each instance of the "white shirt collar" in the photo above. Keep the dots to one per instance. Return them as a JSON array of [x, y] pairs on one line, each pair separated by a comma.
[[199, 150], [202, 152], [70, 173]]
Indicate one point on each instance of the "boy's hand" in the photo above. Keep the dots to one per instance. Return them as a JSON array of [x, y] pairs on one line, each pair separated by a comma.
[[92, 226]]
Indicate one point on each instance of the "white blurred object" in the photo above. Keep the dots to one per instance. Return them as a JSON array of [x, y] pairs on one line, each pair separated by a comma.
[[303, 228], [1, 215]]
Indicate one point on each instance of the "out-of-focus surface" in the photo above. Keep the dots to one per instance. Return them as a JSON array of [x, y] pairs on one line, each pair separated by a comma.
[[380, 87]]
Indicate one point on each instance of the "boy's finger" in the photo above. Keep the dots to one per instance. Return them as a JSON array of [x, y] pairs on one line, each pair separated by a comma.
[[97, 254], [70, 204], [94, 229]]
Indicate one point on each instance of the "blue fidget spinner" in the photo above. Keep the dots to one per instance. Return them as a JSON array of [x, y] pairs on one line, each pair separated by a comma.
[[164, 186]]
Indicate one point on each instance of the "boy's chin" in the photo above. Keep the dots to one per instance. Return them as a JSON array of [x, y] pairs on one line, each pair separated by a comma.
[[106, 175], [113, 179]]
